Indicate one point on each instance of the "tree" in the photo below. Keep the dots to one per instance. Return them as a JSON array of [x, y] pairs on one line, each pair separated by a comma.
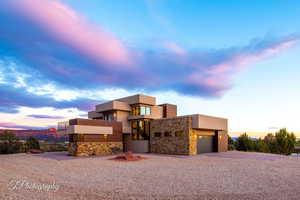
[[32, 143], [261, 146], [271, 142], [298, 143], [282, 142], [9, 143], [285, 142], [244, 143]]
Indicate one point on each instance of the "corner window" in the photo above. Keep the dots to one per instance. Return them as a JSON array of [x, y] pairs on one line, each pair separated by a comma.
[[141, 110], [148, 111]]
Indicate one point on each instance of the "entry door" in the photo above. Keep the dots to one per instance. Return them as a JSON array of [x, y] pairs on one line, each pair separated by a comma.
[[204, 144]]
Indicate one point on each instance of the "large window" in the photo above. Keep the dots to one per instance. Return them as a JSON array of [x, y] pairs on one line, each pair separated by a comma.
[[140, 129], [110, 116], [141, 110]]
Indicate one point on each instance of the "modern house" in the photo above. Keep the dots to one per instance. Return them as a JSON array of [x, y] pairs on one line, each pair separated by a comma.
[[137, 124]]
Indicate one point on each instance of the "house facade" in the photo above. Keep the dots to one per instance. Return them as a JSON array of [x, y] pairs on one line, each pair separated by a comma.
[[137, 124]]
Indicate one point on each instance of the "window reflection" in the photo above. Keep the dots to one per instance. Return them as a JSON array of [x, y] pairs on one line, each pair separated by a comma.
[[141, 110], [140, 129]]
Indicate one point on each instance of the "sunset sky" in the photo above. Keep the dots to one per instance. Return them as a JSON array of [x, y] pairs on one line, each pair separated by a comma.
[[236, 59]]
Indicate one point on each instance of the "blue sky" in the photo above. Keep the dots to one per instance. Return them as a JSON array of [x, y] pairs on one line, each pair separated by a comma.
[[236, 59]]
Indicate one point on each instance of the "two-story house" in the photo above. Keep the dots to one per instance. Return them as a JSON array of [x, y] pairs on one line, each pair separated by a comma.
[[137, 124]]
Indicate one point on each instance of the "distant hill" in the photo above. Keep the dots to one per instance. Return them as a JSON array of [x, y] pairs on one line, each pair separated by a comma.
[[45, 134]]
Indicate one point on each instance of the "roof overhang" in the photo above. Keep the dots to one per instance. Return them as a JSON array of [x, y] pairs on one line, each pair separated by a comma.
[[206, 122]]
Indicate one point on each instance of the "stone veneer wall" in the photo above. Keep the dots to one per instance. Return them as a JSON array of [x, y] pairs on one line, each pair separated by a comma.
[[222, 141], [170, 145], [193, 142], [94, 148]]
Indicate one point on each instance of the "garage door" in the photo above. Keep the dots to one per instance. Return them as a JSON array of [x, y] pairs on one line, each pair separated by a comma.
[[204, 144]]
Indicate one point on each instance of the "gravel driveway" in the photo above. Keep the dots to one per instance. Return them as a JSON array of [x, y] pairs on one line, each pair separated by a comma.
[[231, 175]]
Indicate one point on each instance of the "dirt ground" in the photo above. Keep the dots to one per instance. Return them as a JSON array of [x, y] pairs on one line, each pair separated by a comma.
[[230, 175]]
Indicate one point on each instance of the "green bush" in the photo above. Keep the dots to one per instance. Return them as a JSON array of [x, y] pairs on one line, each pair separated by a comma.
[[298, 143], [9, 143], [54, 147], [32, 143], [260, 146], [282, 142], [244, 143], [285, 142], [231, 145]]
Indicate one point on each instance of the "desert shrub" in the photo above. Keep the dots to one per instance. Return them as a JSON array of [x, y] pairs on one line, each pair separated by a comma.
[[282, 142], [9, 143], [32, 143], [260, 146], [231, 145], [54, 147], [285, 142], [298, 143], [244, 143]]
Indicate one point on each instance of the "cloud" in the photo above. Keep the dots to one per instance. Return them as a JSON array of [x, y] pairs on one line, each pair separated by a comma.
[[13, 98], [45, 117], [9, 125], [62, 47]]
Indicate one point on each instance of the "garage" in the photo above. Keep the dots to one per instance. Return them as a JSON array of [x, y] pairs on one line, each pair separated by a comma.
[[205, 144]]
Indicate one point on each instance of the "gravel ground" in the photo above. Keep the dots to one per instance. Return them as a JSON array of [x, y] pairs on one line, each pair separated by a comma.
[[231, 175]]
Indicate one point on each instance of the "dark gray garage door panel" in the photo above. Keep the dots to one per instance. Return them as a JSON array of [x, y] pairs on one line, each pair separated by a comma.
[[205, 144]]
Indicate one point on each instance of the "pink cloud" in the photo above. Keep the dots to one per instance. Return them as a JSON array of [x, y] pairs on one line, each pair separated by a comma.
[[64, 48], [173, 47], [218, 77], [70, 28]]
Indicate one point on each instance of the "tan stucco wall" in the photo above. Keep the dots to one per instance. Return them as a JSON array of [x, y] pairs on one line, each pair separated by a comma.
[[156, 112], [209, 122], [122, 116], [139, 98], [94, 114], [113, 105], [86, 129]]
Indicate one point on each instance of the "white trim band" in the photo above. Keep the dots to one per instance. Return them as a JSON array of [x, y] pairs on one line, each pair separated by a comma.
[[81, 129]]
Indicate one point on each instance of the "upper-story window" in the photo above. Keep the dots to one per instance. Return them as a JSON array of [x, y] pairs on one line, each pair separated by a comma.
[[141, 110], [110, 116]]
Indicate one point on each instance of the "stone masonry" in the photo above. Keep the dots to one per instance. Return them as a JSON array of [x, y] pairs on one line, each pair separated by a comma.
[[95, 148], [170, 144], [178, 137]]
